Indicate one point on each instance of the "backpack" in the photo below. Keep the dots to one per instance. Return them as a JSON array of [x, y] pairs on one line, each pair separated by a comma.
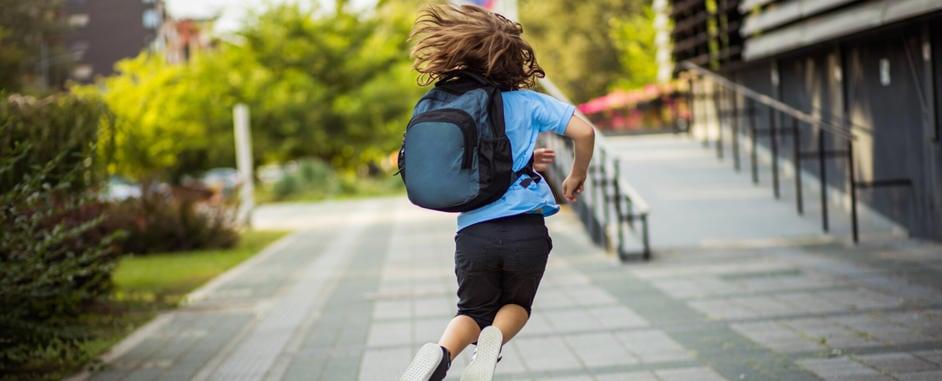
[[455, 154]]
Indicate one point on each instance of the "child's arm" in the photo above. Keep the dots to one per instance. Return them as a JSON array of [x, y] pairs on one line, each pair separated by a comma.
[[583, 137]]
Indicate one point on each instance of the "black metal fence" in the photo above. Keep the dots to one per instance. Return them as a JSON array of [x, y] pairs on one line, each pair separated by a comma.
[[736, 109], [614, 214]]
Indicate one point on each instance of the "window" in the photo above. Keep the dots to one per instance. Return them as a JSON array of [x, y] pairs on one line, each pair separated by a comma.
[[151, 19], [78, 50], [82, 72], [78, 20]]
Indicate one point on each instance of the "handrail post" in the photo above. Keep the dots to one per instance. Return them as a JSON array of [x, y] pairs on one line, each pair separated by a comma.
[[593, 208], [704, 127], [735, 126], [604, 201], [852, 177], [645, 240], [753, 155], [617, 189], [796, 162], [822, 168], [691, 116], [718, 106], [773, 135]]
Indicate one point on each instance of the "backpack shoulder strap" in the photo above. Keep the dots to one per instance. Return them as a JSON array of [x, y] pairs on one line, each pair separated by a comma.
[[460, 82]]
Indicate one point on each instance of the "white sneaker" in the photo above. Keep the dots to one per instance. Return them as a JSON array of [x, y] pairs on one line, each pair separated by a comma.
[[429, 364], [486, 354]]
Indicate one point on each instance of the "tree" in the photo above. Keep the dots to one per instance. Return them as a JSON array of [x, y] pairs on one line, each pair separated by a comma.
[[159, 112], [575, 43], [333, 86], [634, 39], [31, 54]]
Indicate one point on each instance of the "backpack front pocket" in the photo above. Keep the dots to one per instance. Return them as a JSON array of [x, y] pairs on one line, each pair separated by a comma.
[[439, 164]]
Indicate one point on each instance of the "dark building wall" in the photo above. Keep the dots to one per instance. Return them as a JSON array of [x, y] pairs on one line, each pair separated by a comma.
[[885, 91], [115, 29], [845, 82]]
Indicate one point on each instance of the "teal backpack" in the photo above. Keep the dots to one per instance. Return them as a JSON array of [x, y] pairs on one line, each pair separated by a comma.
[[455, 155]]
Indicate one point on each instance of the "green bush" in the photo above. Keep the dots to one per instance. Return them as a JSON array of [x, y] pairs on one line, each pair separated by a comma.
[[312, 178], [55, 254], [285, 187], [159, 222]]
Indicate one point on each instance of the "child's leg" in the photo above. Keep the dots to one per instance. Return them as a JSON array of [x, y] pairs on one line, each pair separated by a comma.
[[510, 320], [461, 332]]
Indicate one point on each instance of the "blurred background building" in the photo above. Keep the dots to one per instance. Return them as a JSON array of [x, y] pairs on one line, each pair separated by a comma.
[[103, 32], [874, 66]]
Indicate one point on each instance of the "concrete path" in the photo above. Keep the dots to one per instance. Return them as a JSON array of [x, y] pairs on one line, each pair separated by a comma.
[[698, 200], [363, 284]]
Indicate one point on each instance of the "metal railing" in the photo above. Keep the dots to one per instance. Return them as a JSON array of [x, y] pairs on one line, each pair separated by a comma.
[[726, 96], [609, 207]]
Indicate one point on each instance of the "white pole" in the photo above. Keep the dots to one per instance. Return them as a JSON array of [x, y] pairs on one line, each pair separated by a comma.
[[243, 146], [509, 9], [662, 41]]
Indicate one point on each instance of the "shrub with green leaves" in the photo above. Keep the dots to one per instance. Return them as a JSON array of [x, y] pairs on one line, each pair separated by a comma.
[[161, 222], [312, 178], [55, 256]]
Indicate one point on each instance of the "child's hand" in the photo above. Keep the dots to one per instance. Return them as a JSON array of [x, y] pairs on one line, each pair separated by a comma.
[[572, 186], [542, 158]]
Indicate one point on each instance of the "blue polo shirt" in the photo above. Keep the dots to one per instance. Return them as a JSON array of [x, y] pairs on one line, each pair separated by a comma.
[[526, 114]]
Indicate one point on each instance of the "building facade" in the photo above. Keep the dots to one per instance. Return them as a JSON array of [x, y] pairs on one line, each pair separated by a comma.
[[872, 66], [106, 31]]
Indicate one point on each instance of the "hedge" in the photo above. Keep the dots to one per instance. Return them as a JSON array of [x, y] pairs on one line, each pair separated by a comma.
[[55, 255]]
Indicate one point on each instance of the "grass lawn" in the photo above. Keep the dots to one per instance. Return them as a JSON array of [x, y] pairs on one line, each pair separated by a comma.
[[145, 286], [167, 278]]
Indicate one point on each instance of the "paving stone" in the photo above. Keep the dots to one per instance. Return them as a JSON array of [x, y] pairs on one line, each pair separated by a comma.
[[630, 376], [934, 375], [571, 378], [809, 303], [398, 309], [934, 356], [537, 325], [571, 320], [776, 336], [552, 298], [390, 333], [434, 306], [380, 364], [689, 374], [546, 354], [652, 346], [599, 350], [841, 368], [723, 309], [766, 306], [860, 298], [511, 362], [897, 362], [615, 317], [589, 296]]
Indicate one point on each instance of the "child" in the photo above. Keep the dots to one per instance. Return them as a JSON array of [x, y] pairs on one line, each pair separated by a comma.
[[501, 247]]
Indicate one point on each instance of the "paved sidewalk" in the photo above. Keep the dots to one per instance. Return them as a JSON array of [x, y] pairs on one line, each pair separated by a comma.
[[698, 200], [363, 284]]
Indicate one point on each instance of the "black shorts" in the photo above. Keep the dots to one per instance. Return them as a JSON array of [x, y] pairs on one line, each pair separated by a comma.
[[500, 262]]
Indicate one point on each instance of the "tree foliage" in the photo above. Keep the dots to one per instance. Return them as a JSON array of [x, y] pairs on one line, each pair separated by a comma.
[[30, 55], [55, 254], [587, 47], [334, 86], [634, 39]]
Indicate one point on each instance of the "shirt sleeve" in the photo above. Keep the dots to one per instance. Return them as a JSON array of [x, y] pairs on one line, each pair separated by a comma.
[[550, 114]]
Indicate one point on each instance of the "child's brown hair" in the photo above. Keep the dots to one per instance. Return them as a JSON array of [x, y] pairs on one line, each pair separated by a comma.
[[449, 38]]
